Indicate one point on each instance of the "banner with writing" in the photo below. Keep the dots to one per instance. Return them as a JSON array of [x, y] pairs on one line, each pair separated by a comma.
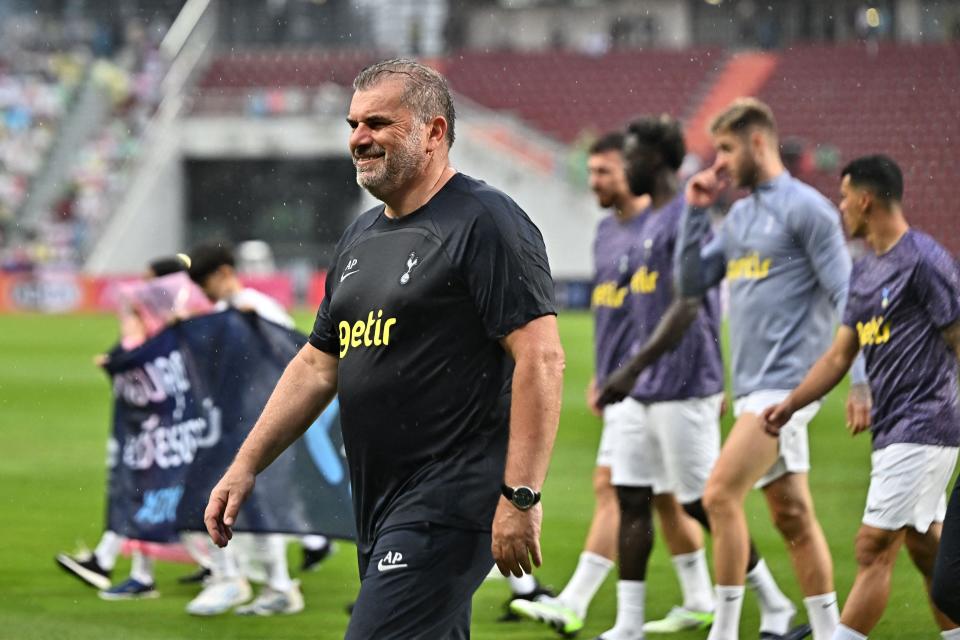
[[183, 403]]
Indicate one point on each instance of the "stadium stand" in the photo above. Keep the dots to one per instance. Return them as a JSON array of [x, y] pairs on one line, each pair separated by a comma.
[[837, 101], [566, 94], [903, 101]]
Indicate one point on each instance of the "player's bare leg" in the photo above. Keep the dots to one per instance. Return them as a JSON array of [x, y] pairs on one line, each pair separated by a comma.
[[791, 507], [923, 551], [876, 552], [745, 457], [681, 533], [602, 536]]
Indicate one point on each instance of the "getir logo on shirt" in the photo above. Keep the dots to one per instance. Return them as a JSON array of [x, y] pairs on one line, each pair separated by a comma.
[[372, 332], [644, 281], [873, 332], [749, 267], [607, 294]]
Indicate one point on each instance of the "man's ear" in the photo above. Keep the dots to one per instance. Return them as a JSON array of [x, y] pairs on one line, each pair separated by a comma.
[[436, 133]]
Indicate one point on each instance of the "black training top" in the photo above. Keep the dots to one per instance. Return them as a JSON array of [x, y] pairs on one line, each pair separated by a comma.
[[414, 309]]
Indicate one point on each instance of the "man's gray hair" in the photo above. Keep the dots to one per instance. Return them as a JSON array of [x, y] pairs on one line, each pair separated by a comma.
[[425, 92]]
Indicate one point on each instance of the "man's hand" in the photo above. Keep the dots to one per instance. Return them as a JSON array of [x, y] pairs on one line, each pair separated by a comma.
[[704, 188], [859, 404], [516, 538], [618, 386], [593, 397], [775, 417], [225, 500]]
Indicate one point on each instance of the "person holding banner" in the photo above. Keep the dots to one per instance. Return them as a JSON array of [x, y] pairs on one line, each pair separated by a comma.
[[213, 269], [137, 323], [438, 333]]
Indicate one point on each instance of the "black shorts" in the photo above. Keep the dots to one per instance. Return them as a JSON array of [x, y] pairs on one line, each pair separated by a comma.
[[417, 581]]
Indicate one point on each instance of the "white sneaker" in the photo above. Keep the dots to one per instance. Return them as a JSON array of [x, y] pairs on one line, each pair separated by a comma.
[[271, 602], [680, 619], [219, 597]]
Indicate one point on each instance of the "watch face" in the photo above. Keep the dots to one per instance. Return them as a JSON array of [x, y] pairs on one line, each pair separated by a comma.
[[523, 497]]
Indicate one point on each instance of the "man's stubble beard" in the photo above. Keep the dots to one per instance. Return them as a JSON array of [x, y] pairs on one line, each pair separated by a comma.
[[396, 168]]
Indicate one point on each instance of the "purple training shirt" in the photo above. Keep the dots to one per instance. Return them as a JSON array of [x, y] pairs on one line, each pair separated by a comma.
[[694, 369], [899, 303], [614, 332]]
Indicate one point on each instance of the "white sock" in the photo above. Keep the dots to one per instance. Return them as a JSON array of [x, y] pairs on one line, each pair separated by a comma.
[[591, 571], [223, 562], [952, 634], [196, 545], [141, 568], [313, 542], [108, 549], [843, 632], [823, 614], [271, 550], [523, 585], [726, 621], [631, 600], [776, 610], [694, 579]]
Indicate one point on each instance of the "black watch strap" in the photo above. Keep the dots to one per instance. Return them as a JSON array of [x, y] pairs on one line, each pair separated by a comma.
[[521, 497]]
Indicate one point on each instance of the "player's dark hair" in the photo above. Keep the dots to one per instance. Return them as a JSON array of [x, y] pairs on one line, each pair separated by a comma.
[[663, 133], [426, 91], [742, 115], [877, 173], [207, 258], [168, 264], [610, 141]]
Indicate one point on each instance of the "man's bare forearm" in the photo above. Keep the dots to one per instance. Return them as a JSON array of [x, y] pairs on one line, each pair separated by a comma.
[[535, 409], [826, 372], [307, 385]]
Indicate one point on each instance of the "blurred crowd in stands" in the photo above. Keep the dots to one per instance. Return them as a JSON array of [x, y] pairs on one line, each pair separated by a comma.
[[45, 64]]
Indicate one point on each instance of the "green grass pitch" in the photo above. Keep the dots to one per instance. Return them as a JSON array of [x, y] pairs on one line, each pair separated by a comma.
[[54, 412]]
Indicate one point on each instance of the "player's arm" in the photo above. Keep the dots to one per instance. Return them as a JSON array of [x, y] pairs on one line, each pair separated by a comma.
[[859, 398], [698, 266], [818, 229], [306, 387], [822, 377], [666, 336], [534, 416]]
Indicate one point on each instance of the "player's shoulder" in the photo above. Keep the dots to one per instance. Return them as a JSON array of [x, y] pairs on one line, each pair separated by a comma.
[[357, 228], [807, 200], [472, 204], [925, 251]]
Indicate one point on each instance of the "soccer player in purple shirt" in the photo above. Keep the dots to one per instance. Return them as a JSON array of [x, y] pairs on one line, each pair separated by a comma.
[[673, 442], [903, 312], [614, 253]]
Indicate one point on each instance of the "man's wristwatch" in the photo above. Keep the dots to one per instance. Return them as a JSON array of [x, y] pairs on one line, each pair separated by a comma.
[[522, 498]]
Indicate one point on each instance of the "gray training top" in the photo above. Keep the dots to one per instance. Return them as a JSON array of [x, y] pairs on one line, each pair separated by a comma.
[[784, 257]]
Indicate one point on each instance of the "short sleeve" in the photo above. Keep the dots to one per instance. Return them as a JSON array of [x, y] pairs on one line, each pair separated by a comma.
[[937, 285], [504, 263], [323, 336]]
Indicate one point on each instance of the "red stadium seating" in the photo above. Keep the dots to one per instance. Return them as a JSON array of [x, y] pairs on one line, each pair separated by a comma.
[[565, 94], [904, 102]]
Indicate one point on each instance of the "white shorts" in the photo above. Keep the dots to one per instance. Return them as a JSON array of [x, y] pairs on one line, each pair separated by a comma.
[[608, 437], [908, 486], [669, 446], [794, 450]]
